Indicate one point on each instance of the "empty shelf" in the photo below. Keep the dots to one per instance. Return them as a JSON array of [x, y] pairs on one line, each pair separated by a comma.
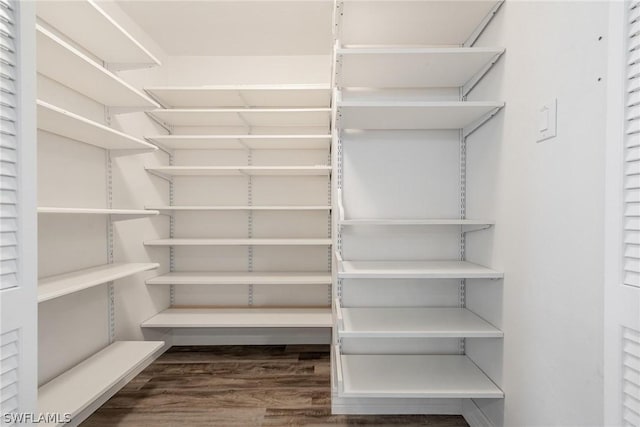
[[415, 270], [241, 318], [414, 22], [435, 222], [413, 376], [115, 213], [242, 142], [92, 28], [233, 278], [70, 125], [238, 242], [413, 114], [96, 378], [238, 208], [59, 61], [413, 322], [245, 117], [311, 95], [63, 284], [411, 67], [241, 170]]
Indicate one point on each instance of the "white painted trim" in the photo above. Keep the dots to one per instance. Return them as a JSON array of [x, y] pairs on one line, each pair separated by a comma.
[[473, 415]]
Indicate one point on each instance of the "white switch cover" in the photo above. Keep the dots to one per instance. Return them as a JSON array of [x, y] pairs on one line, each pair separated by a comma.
[[547, 121]]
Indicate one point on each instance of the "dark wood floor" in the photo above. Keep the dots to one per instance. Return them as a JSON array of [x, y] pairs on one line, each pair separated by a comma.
[[239, 386]]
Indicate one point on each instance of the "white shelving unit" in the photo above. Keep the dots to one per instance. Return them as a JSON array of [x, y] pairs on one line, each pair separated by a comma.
[[59, 61], [76, 281], [242, 142], [238, 278], [241, 318], [93, 29], [169, 209], [413, 376], [244, 117], [116, 214], [90, 383], [413, 114], [239, 242], [309, 95], [415, 270], [169, 171], [412, 67], [73, 126]]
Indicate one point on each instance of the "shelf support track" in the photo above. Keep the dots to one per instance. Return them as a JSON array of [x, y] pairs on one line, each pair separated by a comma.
[[110, 241], [250, 227], [473, 38], [462, 290]]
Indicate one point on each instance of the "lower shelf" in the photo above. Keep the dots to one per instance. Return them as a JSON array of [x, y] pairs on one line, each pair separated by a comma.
[[240, 242], [412, 376], [241, 318], [239, 278], [98, 377]]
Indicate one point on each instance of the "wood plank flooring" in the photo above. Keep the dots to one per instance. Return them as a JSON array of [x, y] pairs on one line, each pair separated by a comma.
[[239, 386]]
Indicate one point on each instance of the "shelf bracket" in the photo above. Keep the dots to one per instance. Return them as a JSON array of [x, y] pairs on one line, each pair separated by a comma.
[[160, 175], [472, 228], [475, 80], [468, 131], [160, 123], [160, 146], [473, 38]]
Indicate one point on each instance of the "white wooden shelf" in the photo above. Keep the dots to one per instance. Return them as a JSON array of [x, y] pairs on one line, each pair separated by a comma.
[[244, 117], [92, 28], [63, 284], [239, 278], [96, 379], [417, 221], [169, 171], [302, 95], [165, 209], [429, 23], [412, 322], [241, 318], [413, 376], [415, 270], [59, 61], [73, 126], [412, 67], [242, 142], [239, 242], [413, 114], [116, 214]]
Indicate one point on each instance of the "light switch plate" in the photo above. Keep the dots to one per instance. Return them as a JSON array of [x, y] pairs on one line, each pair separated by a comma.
[[547, 121]]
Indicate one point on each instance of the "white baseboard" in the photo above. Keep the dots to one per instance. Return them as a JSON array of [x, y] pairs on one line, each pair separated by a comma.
[[473, 415]]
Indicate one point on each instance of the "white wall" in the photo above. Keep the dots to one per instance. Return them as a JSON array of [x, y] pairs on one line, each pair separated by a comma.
[[547, 200]]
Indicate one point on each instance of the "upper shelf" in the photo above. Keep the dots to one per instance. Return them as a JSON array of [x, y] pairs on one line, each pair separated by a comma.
[[116, 214], [241, 170], [92, 28], [414, 22], [212, 208], [70, 125], [309, 95], [65, 64], [242, 142], [413, 114], [411, 67], [241, 278], [244, 117], [240, 242], [415, 270]]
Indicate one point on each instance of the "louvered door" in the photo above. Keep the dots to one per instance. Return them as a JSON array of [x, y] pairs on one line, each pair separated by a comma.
[[18, 267]]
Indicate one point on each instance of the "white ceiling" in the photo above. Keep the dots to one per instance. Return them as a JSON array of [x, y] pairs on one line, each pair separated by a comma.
[[235, 27]]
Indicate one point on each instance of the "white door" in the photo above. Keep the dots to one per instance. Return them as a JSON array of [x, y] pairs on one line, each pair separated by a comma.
[[18, 222], [622, 230]]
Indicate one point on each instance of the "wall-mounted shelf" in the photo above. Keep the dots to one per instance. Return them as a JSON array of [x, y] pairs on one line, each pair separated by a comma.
[[413, 114], [241, 318], [116, 214], [92, 28], [242, 142], [434, 222], [413, 376], [73, 126], [239, 278], [169, 209], [239, 242], [412, 322], [415, 270], [302, 95], [411, 67], [63, 284], [414, 23], [245, 117], [59, 61], [169, 171], [97, 378]]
